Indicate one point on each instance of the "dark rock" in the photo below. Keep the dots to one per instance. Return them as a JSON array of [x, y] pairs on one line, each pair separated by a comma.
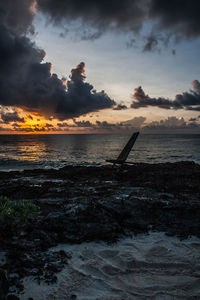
[[4, 284], [12, 297]]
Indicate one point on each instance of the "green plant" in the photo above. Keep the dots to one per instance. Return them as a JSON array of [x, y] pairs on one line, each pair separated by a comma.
[[17, 213]]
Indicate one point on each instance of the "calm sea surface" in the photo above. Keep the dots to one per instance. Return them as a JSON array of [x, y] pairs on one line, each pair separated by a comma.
[[18, 152]]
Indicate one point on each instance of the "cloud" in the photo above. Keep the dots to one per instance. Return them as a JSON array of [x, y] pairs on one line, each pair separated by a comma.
[[106, 125], [62, 125], [27, 82], [81, 98], [179, 17], [102, 15], [136, 122], [151, 43], [193, 119], [8, 117], [167, 19], [171, 123], [4, 129], [120, 107], [187, 100], [47, 125], [18, 15], [126, 126], [83, 123], [30, 117]]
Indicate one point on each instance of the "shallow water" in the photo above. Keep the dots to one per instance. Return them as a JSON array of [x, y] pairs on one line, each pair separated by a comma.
[[151, 266], [19, 152]]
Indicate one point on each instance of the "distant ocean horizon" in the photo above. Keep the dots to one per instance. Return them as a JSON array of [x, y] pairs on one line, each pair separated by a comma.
[[19, 152]]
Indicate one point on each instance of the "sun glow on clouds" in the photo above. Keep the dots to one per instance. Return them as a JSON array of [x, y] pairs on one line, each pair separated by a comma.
[[33, 7], [32, 122], [19, 121]]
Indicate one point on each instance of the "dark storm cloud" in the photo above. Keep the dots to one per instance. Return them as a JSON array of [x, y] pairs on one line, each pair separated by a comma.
[[120, 107], [8, 117], [18, 15], [187, 100], [18, 55], [193, 119], [179, 17], [81, 98], [127, 14], [151, 43], [176, 18], [193, 108], [27, 82], [173, 51]]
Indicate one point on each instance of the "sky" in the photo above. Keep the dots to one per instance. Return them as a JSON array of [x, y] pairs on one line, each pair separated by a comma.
[[73, 66]]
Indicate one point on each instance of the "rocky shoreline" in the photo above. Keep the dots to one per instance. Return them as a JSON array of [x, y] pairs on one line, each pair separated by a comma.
[[80, 204]]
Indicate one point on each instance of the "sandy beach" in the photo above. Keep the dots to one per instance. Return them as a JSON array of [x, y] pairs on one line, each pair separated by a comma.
[[149, 266]]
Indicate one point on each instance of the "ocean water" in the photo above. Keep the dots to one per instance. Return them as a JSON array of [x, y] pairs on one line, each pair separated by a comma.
[[18, 152]]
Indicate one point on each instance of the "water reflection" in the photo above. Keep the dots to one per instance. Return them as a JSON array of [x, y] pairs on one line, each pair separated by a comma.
[[27, 151], [22, 148]]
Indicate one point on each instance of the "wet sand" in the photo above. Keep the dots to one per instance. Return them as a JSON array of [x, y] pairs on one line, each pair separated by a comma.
[[149, 266]]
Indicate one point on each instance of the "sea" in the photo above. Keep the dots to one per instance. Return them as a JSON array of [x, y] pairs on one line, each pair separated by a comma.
[[19, 152]]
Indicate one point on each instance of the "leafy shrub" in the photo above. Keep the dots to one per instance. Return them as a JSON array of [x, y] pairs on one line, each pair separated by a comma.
[[17, 214]]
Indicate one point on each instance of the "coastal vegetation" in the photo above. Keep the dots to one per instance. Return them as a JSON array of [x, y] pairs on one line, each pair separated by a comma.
[[16, 215]]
